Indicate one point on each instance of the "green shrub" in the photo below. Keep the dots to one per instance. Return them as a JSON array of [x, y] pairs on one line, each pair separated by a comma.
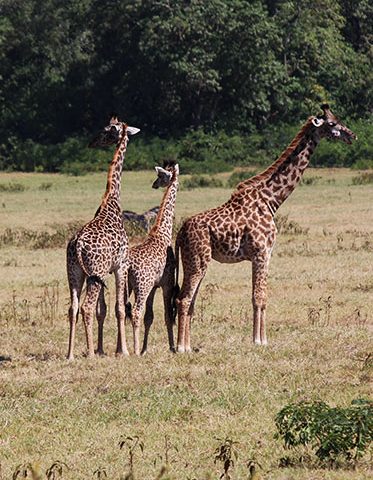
[[197, 151], [201, 181], [239, 176], [333, 433]]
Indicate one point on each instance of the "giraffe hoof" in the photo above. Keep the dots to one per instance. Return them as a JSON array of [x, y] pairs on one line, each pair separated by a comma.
[[125, 353], [180, 349], [100, 353], [257, 342]]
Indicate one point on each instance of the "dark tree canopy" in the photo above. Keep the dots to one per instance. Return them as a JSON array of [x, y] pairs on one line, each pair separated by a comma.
[[174, 65]]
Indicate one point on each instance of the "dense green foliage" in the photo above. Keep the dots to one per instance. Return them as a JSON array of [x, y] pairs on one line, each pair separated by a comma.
[[332, 432], [212, 74]]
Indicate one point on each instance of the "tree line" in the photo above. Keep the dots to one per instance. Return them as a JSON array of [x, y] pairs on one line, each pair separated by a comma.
[[173, 68]]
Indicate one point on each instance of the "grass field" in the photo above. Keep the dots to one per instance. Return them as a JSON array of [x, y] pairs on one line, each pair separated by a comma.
[[182, 407]]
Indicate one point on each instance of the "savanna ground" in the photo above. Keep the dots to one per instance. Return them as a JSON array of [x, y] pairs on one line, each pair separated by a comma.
[[182, 406]]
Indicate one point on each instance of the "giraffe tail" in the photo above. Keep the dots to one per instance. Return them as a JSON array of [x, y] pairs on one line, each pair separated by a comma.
[[176, 288], [128, 309], [96, 279]]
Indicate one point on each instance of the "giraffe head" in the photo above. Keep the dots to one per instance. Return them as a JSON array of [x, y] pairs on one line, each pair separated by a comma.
[[113, 133], [331, 127], [166, 174]]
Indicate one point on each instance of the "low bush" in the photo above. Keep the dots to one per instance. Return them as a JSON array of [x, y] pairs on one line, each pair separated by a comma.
[[363, 179], [289, 227], [334, 433], [201, 181], [12, 187], [240, 176]]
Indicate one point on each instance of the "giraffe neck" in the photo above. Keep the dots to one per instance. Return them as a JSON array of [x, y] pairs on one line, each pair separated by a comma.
[[281, 178], [114, 176], [164, 222]]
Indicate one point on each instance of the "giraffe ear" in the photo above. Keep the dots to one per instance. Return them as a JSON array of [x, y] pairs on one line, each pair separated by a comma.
[[132, 130], [317, 122], [162, 171]]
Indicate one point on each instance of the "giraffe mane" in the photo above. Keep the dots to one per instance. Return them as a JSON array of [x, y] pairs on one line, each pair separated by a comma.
[[290, 149], [162, 207], [169, 163]]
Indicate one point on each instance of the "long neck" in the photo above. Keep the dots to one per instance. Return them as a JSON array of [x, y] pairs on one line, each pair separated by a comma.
[[115, 171], [279, 180], [164, 222]]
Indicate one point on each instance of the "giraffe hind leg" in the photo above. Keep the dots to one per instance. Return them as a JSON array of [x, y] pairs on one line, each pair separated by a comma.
[[186, 301], [101, 315], [76, 280], [94, 286]]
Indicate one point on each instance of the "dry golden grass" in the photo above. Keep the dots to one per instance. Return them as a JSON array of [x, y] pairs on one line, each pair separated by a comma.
[[319, 325]]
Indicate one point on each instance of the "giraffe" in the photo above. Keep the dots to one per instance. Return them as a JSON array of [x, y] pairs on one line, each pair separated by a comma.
[[152, 263], [100, 248], [243, 228]]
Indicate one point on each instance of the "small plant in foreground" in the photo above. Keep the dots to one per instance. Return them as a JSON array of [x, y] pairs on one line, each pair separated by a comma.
[[56, 470], [28, 470], [226, 453], [100, 473], [132, 444], [334, 433]]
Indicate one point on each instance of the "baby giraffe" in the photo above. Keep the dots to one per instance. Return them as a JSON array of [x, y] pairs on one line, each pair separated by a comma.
[[152, 264], [100, 248]]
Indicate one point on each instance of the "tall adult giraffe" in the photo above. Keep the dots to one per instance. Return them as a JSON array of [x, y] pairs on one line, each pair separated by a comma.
[[152, 263], [100, 248], [243, 228]]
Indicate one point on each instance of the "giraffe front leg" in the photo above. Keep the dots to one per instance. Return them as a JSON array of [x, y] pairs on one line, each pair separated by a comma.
[[101, 314], [259, 299], [121, 276], [89, 304]]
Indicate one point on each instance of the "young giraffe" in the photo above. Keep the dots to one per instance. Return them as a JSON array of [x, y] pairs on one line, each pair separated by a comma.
[[100, 248], [152, 264], [243, 228]]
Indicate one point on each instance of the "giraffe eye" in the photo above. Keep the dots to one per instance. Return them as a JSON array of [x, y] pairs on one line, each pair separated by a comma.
[[332, 124]]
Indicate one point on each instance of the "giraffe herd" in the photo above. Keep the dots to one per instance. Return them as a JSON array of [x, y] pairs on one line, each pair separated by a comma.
[[241, 229]]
